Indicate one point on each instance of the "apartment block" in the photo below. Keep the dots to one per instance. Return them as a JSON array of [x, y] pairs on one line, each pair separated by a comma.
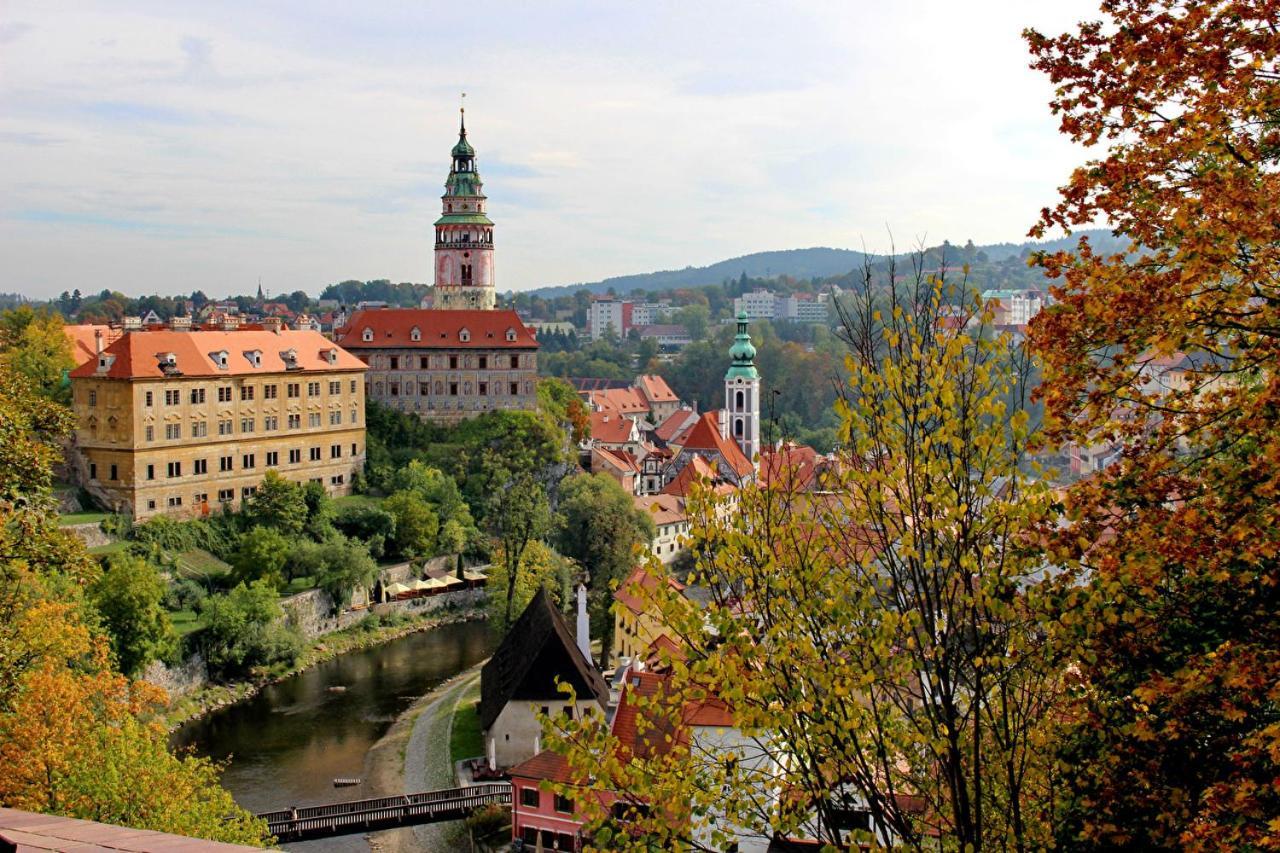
[[182, 423]]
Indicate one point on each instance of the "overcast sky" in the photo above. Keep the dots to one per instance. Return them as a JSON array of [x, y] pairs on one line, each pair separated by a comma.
[[164, 147]]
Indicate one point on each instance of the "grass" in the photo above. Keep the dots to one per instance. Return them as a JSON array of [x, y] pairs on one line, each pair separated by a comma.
[[82, 518], [109, 548], [465, 737], [356, 500], [198, 563], [185, 622]]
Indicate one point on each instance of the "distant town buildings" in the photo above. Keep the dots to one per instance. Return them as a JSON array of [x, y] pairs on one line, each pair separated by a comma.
[[798, 308], [1014, 307], [182, 422], [622, 315]]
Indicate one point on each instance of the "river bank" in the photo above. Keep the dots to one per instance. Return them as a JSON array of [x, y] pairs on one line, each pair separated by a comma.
[[414, 755], [324, 648]]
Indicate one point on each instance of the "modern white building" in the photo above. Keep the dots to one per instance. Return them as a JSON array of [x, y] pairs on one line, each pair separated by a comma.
[[758, 305]]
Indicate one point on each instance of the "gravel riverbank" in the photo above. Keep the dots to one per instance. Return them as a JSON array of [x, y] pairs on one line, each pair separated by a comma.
[[414, 756]]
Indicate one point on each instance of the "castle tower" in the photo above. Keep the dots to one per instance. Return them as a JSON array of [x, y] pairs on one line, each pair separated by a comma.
[[464, 236], [742, 393]]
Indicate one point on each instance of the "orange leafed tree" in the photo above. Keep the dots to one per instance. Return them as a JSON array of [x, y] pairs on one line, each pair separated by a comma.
[[1170, 351]]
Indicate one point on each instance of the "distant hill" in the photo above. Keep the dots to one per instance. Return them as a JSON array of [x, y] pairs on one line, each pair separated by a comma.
[[818, 262]]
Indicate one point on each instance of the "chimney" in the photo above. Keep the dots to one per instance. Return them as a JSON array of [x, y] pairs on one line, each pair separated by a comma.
[[272, 324], [584, 624], [97, 340]]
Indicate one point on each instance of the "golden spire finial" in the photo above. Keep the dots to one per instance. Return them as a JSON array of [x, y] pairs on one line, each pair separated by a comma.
[[462, 111]]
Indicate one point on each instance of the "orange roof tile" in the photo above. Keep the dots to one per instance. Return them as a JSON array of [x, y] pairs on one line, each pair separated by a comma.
[[548, 765], [706, 436], [676, 422], [697, 470], [663, 508], [791, 466], [628, 401], [437, 329], [137, 354], [84, 340], [656, 389], [611, 427], [642, 580], [618, 460]]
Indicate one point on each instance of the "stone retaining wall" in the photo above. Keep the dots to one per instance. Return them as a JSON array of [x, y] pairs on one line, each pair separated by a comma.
[[90, 532]]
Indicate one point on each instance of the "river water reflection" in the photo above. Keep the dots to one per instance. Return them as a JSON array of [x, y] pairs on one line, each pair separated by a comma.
[[287, 744]]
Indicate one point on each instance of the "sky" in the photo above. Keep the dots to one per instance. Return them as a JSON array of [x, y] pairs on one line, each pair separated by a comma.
[[164, 147]]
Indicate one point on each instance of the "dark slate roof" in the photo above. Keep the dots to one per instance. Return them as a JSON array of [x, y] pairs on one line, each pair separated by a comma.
[[537, 650]]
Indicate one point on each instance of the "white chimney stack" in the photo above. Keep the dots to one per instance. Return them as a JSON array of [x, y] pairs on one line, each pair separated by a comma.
[[584, 624]]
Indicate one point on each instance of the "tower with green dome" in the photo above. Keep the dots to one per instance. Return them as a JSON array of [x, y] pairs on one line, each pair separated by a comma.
[[742, 393], [464, 276]]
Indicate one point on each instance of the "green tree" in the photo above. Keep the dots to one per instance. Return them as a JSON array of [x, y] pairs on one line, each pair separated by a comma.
[[540, 567], [261, 554], [695, 318], [518, 514], [320, 511], [884, 640], [278, 503], [344, 565], [244, 629], [416, 525], [129, 596], [33, 344], [372, 525], [605, 532]]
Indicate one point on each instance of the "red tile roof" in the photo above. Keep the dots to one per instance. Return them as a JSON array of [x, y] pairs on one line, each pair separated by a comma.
[[393, 327], [84, 340], [638, 580], [618, 460], [611, 427], [676, 422], [626, 725], [138, 354], [656, 389], [627, 401], [792, 466], [698, 470], [663, 509], [706, 436], [548, 765]]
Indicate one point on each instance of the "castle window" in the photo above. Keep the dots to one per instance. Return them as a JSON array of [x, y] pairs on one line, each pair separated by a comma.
[[737, 427], [415, 334], [464, 335], [511, 334], [366, 335], [738, 401]]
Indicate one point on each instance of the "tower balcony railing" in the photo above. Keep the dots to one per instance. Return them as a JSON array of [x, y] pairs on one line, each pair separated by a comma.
[[463, 244]]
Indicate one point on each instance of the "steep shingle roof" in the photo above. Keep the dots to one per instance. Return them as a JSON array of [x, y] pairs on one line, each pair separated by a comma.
[[656, 389], [706, 436], [537, 650]]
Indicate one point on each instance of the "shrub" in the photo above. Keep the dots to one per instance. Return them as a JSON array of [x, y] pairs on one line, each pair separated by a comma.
[[244, 629]]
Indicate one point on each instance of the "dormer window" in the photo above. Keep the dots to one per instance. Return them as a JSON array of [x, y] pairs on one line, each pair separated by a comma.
[[330, 355], [511, 335], [415, 334], [254, 357], [366, 335], [105, 360], [221, 359], [464, 336]]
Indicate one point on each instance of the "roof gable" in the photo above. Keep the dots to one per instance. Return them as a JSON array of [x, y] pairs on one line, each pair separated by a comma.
[[705, 436], [538, 649]]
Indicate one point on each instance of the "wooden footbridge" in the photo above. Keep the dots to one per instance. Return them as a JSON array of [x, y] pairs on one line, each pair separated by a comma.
[[384, 812]]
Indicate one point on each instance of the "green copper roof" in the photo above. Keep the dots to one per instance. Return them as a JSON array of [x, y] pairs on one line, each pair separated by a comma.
[[463, 148], [743, 353], [464, 184], [464, 219]]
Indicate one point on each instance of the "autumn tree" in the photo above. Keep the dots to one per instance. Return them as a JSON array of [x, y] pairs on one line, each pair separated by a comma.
[[1170, 352], [75, 736], [33, 344], [540, 568], [879, 647]]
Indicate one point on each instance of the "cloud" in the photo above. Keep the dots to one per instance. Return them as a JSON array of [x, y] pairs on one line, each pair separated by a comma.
[[197, 145], [13, 31]]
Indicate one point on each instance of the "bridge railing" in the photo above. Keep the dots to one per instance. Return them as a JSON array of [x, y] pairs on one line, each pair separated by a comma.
[[359, 815]]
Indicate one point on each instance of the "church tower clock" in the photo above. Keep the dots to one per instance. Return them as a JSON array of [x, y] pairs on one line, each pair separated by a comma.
[[464, 236]]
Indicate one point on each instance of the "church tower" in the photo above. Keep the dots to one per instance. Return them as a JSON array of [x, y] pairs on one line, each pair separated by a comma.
[[464, 236], [742, 393]]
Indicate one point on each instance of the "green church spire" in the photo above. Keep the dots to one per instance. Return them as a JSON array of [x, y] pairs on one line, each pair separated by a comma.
[[743, 353]]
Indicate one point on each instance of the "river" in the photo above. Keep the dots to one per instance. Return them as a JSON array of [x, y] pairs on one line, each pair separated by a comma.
[[287, 744]]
